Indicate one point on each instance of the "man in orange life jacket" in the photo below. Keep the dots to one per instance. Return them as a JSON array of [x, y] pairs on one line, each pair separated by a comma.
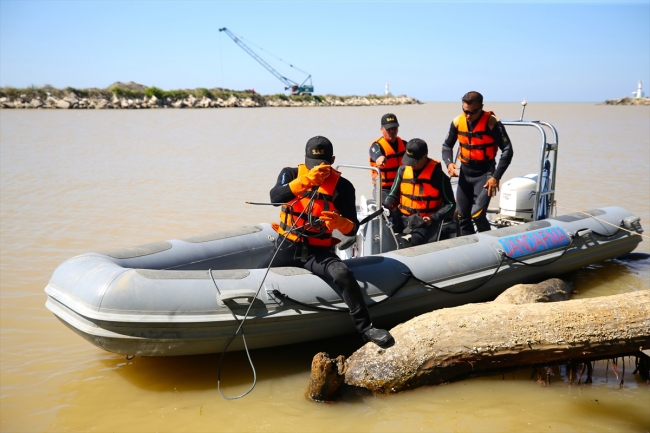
[[422, 193], [386, 153], [318, 201], [480, 136]]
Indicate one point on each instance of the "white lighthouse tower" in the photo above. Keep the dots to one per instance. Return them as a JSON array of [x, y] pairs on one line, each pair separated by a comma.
[[639, 91], [386, 92]]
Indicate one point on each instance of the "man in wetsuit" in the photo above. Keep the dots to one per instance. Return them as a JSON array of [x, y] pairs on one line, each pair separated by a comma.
[[318, 201], [386, 153], [422, 193], [480, 134]]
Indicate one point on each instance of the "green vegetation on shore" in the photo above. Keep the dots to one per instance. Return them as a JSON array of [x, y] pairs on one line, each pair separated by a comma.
[[139, 92]]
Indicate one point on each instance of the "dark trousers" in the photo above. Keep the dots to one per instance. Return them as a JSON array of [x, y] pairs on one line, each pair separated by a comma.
[[324, 263], [421, 235], [470, 186]]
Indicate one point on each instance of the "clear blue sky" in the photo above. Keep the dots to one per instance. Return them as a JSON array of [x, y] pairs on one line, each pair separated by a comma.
[[435, 51]]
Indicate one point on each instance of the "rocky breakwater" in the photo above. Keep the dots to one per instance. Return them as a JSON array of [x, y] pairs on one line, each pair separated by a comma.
[[135, 96], [627, 101], [72, 101]]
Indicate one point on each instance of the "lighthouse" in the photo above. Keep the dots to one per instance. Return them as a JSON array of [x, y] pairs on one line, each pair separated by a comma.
[[639, 91], [386, 92]]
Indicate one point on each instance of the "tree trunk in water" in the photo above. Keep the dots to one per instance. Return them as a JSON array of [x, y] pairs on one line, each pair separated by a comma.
[[474, 339]]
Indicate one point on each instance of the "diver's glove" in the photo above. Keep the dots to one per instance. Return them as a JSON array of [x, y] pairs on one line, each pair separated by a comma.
[[391, 202], [315, 177], [335, 221]]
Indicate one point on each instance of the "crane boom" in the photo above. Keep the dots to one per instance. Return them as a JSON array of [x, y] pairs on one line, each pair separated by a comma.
[[290, 84]]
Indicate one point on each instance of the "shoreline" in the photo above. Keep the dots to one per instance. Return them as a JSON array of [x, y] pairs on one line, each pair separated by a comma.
[[136, 96]]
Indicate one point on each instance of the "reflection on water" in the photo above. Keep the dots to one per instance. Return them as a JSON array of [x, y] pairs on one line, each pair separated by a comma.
[[73, 182], [620, 275]]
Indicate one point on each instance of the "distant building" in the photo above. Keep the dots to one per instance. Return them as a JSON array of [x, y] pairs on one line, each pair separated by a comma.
[[638, 94]]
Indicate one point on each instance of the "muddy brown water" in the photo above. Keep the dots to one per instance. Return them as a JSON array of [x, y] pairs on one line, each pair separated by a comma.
[[80, 181]]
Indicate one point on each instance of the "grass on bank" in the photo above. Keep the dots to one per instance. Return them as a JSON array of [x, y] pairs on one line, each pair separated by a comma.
[[32, 92]]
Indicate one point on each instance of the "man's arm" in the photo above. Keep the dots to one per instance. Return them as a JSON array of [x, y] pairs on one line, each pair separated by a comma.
[[502, 140], [392, 200], [448, 149], [443, 183], [281, 193], [375, 151], [449, 143]]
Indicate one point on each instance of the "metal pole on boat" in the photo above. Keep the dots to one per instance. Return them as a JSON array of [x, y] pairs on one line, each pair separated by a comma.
[[523, 108], [377, 197]]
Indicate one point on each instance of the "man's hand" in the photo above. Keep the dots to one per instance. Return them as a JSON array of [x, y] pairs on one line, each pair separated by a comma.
[[315, 177], [381, 161], [427, 220], [318, 174], [391, 202], [452, 169], [335, 221], [492, 186]]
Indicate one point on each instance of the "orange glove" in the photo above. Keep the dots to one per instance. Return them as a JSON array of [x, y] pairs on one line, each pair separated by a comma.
[[335, 221], [315, 177]]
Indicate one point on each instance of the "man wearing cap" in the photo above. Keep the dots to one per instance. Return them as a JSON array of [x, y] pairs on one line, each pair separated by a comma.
[[480, 135], [317, 200], [422, 193], [386, 153]]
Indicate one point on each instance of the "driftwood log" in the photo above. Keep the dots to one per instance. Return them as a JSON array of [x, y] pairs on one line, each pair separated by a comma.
[[520, 328]]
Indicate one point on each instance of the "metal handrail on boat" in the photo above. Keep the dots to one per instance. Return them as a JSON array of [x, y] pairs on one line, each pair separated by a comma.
[[546, 149], [377, 194]]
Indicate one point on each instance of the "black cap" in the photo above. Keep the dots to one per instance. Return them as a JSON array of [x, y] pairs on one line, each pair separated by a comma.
[[415, 150], [389, 120], [319, 149]]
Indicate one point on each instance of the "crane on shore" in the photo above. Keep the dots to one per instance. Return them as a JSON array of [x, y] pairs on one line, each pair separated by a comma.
[[294, 87]]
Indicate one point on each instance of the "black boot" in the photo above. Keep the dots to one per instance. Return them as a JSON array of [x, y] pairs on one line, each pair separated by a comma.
[[466, 226], [380, 337]]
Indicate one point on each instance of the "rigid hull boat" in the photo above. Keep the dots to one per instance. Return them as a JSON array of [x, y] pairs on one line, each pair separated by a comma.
[[183, 297]]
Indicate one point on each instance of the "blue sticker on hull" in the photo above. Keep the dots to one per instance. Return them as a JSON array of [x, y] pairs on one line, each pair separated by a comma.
[[535, 241]]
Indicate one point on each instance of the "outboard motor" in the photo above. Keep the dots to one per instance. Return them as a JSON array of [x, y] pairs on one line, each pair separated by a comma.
[[517, 198]]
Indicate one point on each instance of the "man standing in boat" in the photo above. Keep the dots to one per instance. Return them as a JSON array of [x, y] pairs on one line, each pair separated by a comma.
[[317, 200], [480, 135], [386, 153], [422, 193]]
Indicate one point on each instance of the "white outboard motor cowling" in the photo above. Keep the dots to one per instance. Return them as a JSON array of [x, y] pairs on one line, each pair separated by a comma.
[[517, 197]]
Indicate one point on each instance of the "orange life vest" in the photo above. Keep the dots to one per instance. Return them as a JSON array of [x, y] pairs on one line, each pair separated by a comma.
[[477, 145], [290, 213], [393, 162], [418, 195]]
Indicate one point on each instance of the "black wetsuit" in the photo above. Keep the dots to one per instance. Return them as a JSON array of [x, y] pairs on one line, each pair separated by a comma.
[[322, 261], [441, 182], [474, 175]]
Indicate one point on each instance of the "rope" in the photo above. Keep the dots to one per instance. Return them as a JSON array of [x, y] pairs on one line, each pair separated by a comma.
[[241, 324], [605, 222], [271, 54], [282, 296], [503, 257]]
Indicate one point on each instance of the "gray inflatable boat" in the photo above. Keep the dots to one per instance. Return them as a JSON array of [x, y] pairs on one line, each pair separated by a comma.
[[159, 299], [181, 297]]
